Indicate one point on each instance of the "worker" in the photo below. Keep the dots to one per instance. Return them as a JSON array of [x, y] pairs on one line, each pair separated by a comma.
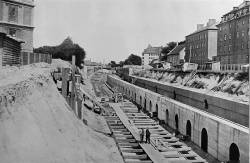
[[141, 135], [147, 136]]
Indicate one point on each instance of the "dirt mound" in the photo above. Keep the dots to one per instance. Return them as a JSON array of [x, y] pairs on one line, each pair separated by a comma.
[[37, 125]]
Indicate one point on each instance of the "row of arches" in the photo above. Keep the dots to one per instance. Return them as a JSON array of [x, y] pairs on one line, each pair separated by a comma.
[[133, 95], [234, 154]]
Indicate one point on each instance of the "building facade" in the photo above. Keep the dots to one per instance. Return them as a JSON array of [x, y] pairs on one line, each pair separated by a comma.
[[150, 53], [201, 45], [16, 20], [233, 36], [176, 56]]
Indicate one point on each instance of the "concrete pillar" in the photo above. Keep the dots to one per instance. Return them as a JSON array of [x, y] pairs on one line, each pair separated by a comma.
[[65, 72]]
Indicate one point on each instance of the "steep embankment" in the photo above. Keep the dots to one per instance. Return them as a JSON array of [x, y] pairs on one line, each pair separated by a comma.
[[233, 86], [37, 125]]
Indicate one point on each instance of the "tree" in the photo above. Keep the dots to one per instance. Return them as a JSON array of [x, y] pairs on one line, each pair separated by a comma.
[[170, 46], [112, 64], [133, 60], [65, 51]]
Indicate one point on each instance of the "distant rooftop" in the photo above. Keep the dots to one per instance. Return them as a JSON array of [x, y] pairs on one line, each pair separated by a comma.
[[151, 49]]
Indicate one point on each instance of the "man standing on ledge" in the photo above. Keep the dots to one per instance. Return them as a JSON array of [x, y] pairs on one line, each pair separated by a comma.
[[147, 136]]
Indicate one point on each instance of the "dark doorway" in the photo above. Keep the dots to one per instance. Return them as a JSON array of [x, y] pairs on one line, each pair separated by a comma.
[[145, 105], [204, 140], [167, 114], [150, 106], [234, 153], [176, 122], [188, 128]]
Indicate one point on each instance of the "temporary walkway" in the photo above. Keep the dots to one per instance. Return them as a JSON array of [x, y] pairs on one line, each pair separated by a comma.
[[164, 146]]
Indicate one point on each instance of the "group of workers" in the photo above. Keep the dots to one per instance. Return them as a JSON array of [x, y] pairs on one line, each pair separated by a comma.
[[142, 133]]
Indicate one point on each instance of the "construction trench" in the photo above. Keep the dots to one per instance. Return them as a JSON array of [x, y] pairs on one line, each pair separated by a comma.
[[125, 121]]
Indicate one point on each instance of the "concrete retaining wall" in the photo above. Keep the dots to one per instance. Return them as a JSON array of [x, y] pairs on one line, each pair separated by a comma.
[[221, 132], [234, 111]]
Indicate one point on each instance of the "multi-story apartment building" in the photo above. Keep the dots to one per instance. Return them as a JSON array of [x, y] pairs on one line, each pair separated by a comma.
[[16, 20], [201, 45], [150, 53], [233, 36]]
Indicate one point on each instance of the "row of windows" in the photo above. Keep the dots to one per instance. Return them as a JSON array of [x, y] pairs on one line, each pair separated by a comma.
[[239, 22], [198, 45], [234, 58], [238, 34], [229, 47], [151, 54], [197, 37], [194, 54], [150, 58]]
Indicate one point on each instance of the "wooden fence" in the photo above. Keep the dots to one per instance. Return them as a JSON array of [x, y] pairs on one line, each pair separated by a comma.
[[29, 58]]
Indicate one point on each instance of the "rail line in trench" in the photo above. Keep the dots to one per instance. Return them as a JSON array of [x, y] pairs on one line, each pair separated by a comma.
[[128, 146], [131, 150]]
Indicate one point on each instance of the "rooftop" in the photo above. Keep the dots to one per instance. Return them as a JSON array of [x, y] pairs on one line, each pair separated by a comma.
[[211, 25], [151, 49], [12, 38], [177, 49], [24, 2], [241, 10]]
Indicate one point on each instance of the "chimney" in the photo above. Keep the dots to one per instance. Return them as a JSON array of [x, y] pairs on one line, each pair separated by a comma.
[[211, 22], [199, 26]]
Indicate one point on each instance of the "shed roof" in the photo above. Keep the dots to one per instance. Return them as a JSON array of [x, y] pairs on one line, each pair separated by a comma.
[[12, 38], [177, 49]]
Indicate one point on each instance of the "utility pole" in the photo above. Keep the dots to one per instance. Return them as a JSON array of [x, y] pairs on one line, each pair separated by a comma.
[[189, 54], [73, 83]]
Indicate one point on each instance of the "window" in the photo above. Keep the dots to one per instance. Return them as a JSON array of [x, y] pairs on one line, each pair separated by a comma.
[[243, 22], [225, 49], [237, 35], [229, 36], [225, 37], [12, 32], [230, 25], [13, 13], [242, 46], [229, 48], [243, 34]]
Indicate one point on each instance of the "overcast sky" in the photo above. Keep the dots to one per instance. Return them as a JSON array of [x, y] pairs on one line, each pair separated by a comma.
[[113, 29]]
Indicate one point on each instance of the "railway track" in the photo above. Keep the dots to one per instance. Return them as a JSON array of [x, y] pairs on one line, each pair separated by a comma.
[[128, 146], [130, 149]]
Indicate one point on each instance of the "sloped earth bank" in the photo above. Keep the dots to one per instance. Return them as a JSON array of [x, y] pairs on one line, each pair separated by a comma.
[[38, 126], [233, 86]]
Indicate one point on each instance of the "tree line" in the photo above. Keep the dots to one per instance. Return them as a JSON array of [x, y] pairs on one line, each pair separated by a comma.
[[137, 60], [65, 51]]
